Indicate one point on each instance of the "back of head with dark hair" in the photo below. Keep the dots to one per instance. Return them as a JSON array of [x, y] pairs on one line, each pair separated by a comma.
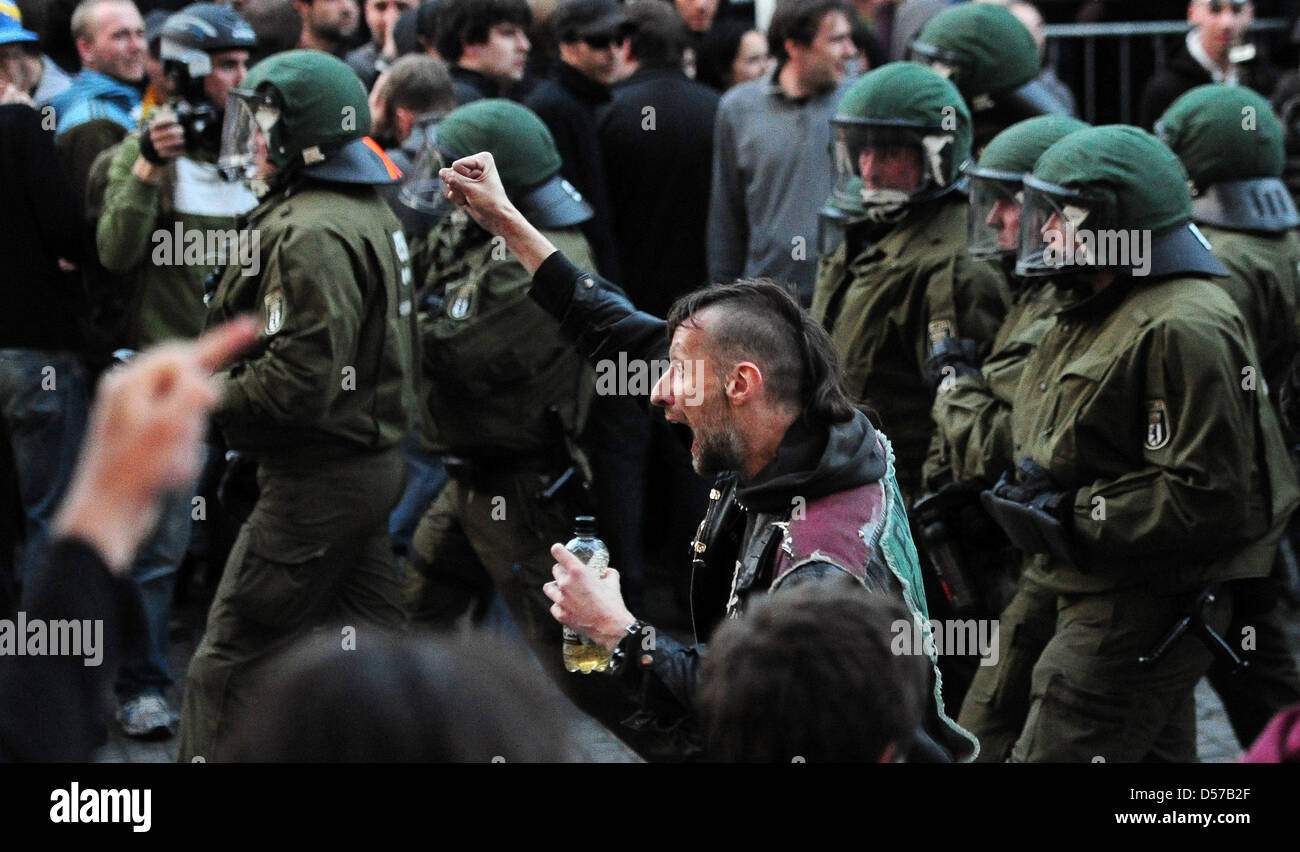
[[277, 25], [657, 35], [465, 698], [426, 23], [462, 22], [799, 20], [756, 320], [810, 673]]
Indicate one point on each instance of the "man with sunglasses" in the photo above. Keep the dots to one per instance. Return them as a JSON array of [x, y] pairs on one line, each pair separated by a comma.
[[1215, 51], [590, 34]]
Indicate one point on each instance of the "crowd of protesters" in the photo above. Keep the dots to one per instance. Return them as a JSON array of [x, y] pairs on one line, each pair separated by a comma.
[[646, 160]]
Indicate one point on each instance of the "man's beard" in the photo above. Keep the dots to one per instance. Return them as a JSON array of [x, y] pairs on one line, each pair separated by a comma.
[[719, 451]]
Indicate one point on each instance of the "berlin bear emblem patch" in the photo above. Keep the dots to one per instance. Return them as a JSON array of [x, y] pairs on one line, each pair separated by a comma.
[[1158, 432], [274, 304]]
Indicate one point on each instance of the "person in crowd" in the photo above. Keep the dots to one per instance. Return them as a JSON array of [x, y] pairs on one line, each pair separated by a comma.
[[485, 43], [327, 25], [813, 675], [144, 439], [21, 62], [763, 201], [370, 60], [731, 55], [165, 179], [1215, 51], [806, 486]]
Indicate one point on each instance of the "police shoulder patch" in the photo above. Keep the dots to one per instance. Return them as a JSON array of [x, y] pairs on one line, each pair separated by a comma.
[[1158, 429], [937, 330], [463, 302], [273, 307]]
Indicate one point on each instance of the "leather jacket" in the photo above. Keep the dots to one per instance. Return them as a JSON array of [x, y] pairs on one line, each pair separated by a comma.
[[751, 540]]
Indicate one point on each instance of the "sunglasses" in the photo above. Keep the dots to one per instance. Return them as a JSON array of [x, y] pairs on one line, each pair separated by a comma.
[[602, 42], [1217, 6]]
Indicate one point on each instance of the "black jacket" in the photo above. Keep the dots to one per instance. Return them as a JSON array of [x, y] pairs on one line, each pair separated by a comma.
[[470, 86], [40, 222], [810, 462], [1183, 73], [55, 708], [657, 140], [568, 104]]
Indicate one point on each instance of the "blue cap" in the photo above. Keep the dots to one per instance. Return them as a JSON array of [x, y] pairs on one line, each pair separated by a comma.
[[11, 25]]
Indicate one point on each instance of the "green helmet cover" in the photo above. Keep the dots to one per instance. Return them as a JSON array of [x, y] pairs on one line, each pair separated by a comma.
[[1016, 149], [1141, 181], [985, 45], [908, 95], [321, 101], [521, 144], [1224, 133]]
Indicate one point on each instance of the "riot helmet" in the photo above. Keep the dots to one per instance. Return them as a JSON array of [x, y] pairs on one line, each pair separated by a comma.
[[1233, 147], [1114, 198], [302, 112], [525, 154], [899, 137], [996, 185]]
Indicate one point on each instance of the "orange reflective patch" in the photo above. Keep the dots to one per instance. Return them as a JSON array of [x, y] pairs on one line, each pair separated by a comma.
[[393, 171]]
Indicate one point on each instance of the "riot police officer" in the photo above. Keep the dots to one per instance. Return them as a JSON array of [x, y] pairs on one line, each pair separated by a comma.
[[972, 406], [1232, 145], [322, 400], [505, 396], [1148, 478], [164, 181], [991, 57], [901, 280]]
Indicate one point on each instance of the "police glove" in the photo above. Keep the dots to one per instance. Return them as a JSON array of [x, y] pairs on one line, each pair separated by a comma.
[[1032, 510], [950, 359]]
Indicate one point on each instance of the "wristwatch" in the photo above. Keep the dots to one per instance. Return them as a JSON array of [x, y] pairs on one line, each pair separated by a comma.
[[620, 654]]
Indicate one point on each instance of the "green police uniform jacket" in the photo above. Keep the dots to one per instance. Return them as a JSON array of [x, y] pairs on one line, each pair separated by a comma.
[[1136, 398], [972, 415], [334, 365], [494, 362], [1265, 285], [886, 304], [168, 237]]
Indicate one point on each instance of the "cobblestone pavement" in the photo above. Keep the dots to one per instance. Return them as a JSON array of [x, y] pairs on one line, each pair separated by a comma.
[[1216, 742]]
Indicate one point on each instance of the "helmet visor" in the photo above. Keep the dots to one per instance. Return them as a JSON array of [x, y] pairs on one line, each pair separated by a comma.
[[995, 203], [1058, 229], [879, 164], [249, 120], [422, 189]]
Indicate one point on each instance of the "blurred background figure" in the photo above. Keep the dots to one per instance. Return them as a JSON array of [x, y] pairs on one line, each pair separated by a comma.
[[327, 24], [370, 60], [277, 25], [812, 675], [1215, 51], [398, 698], [22, 64], [732, 54]]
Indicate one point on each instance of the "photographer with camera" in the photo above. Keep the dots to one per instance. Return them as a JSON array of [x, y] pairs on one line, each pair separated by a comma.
[[168, 223]]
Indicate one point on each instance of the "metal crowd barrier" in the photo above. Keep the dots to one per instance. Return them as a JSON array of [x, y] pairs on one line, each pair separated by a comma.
[[1156, 32]]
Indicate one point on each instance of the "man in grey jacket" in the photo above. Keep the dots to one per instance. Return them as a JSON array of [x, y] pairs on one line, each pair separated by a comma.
[[769, 173]]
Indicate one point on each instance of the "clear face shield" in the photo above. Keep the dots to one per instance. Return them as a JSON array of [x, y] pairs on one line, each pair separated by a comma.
[[995, 202], [939, 61], [249, 121], [422, 189], [882, 168], [1058, 230]]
